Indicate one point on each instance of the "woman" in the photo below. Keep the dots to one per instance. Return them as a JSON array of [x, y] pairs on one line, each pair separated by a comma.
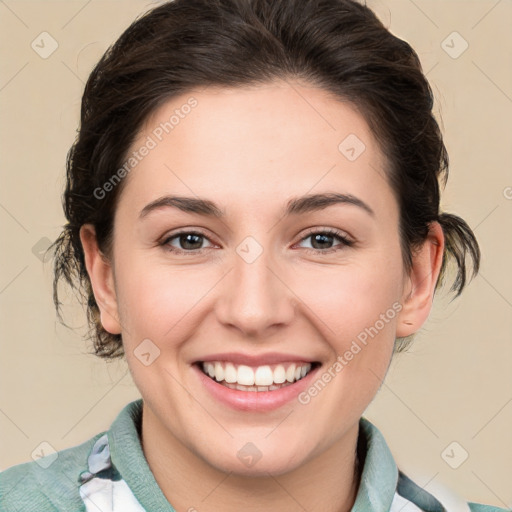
[[253, 221]]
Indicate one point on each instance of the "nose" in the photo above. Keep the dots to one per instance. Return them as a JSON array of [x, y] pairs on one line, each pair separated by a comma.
[[255, 297]]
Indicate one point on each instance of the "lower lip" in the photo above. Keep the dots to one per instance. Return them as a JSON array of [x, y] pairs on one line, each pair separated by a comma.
[[255, 401]]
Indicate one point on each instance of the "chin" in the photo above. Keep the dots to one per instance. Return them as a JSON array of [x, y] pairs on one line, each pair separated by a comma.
[[251, 462]]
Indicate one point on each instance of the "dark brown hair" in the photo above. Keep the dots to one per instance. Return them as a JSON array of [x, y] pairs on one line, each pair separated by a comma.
[[337, 45]]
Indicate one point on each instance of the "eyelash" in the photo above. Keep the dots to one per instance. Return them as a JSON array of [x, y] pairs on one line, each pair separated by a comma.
[[340, 236]]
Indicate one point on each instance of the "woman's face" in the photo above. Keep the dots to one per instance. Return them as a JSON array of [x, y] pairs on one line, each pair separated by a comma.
[[260, 284]]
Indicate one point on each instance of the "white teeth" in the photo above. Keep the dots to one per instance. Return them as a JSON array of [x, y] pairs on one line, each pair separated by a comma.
[[245, 375], [230, 373], [262, 378], [255, 388], [290, 373], [280, 374], [219, 372]]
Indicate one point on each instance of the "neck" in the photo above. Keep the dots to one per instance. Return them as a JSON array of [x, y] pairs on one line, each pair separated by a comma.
[[328, 482]]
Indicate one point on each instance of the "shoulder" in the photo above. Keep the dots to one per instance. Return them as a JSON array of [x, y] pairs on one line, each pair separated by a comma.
[[47, 484], [477, 507], [384, 486], [438, 498]]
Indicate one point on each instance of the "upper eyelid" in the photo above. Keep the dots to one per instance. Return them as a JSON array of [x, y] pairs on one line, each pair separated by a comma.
[[331, 231]]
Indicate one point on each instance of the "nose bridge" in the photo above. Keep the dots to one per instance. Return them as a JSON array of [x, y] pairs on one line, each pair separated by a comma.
[[255, 297]]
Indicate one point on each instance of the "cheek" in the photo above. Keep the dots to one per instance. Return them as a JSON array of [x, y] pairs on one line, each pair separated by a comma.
[[351, 298], [156, 298], [356, 308]]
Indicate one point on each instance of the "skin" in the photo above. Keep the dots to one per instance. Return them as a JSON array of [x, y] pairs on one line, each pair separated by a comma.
[[250, 150]]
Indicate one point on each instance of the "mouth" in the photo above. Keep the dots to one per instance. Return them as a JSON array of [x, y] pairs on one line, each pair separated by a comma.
[[256, 378]]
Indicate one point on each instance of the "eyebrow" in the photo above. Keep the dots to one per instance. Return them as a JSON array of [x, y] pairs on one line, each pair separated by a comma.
[[295, 206]]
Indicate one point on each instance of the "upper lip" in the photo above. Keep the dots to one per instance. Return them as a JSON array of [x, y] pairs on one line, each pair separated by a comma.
[[256, 360]]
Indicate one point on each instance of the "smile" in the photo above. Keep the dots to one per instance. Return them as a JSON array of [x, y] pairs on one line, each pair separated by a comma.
[[260, 378]]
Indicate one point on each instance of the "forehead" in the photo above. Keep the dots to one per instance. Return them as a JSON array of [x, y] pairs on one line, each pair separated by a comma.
[[261, 143]]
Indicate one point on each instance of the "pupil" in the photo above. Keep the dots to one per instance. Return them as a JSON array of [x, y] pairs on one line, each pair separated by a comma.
[[322, 238], [185, 238]]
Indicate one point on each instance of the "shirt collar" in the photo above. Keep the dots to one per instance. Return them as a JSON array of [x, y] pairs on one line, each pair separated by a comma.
[[127, 456], [379, 477]]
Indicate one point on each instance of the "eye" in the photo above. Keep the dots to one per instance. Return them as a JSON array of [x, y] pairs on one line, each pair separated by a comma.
[[190, 242], [322, 240]]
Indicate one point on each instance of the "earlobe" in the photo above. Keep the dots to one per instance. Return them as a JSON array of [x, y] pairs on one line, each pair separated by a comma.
[[102, 280], [421, 282]]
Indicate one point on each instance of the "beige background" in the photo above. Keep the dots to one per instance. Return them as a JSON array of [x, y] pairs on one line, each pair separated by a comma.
[[454, 385]]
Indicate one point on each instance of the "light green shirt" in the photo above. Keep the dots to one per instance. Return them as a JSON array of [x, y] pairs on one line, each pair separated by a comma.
[[109, 473]]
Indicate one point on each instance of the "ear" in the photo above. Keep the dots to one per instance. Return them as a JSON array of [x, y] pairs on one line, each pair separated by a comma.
[[421, 282], [102, 280]]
